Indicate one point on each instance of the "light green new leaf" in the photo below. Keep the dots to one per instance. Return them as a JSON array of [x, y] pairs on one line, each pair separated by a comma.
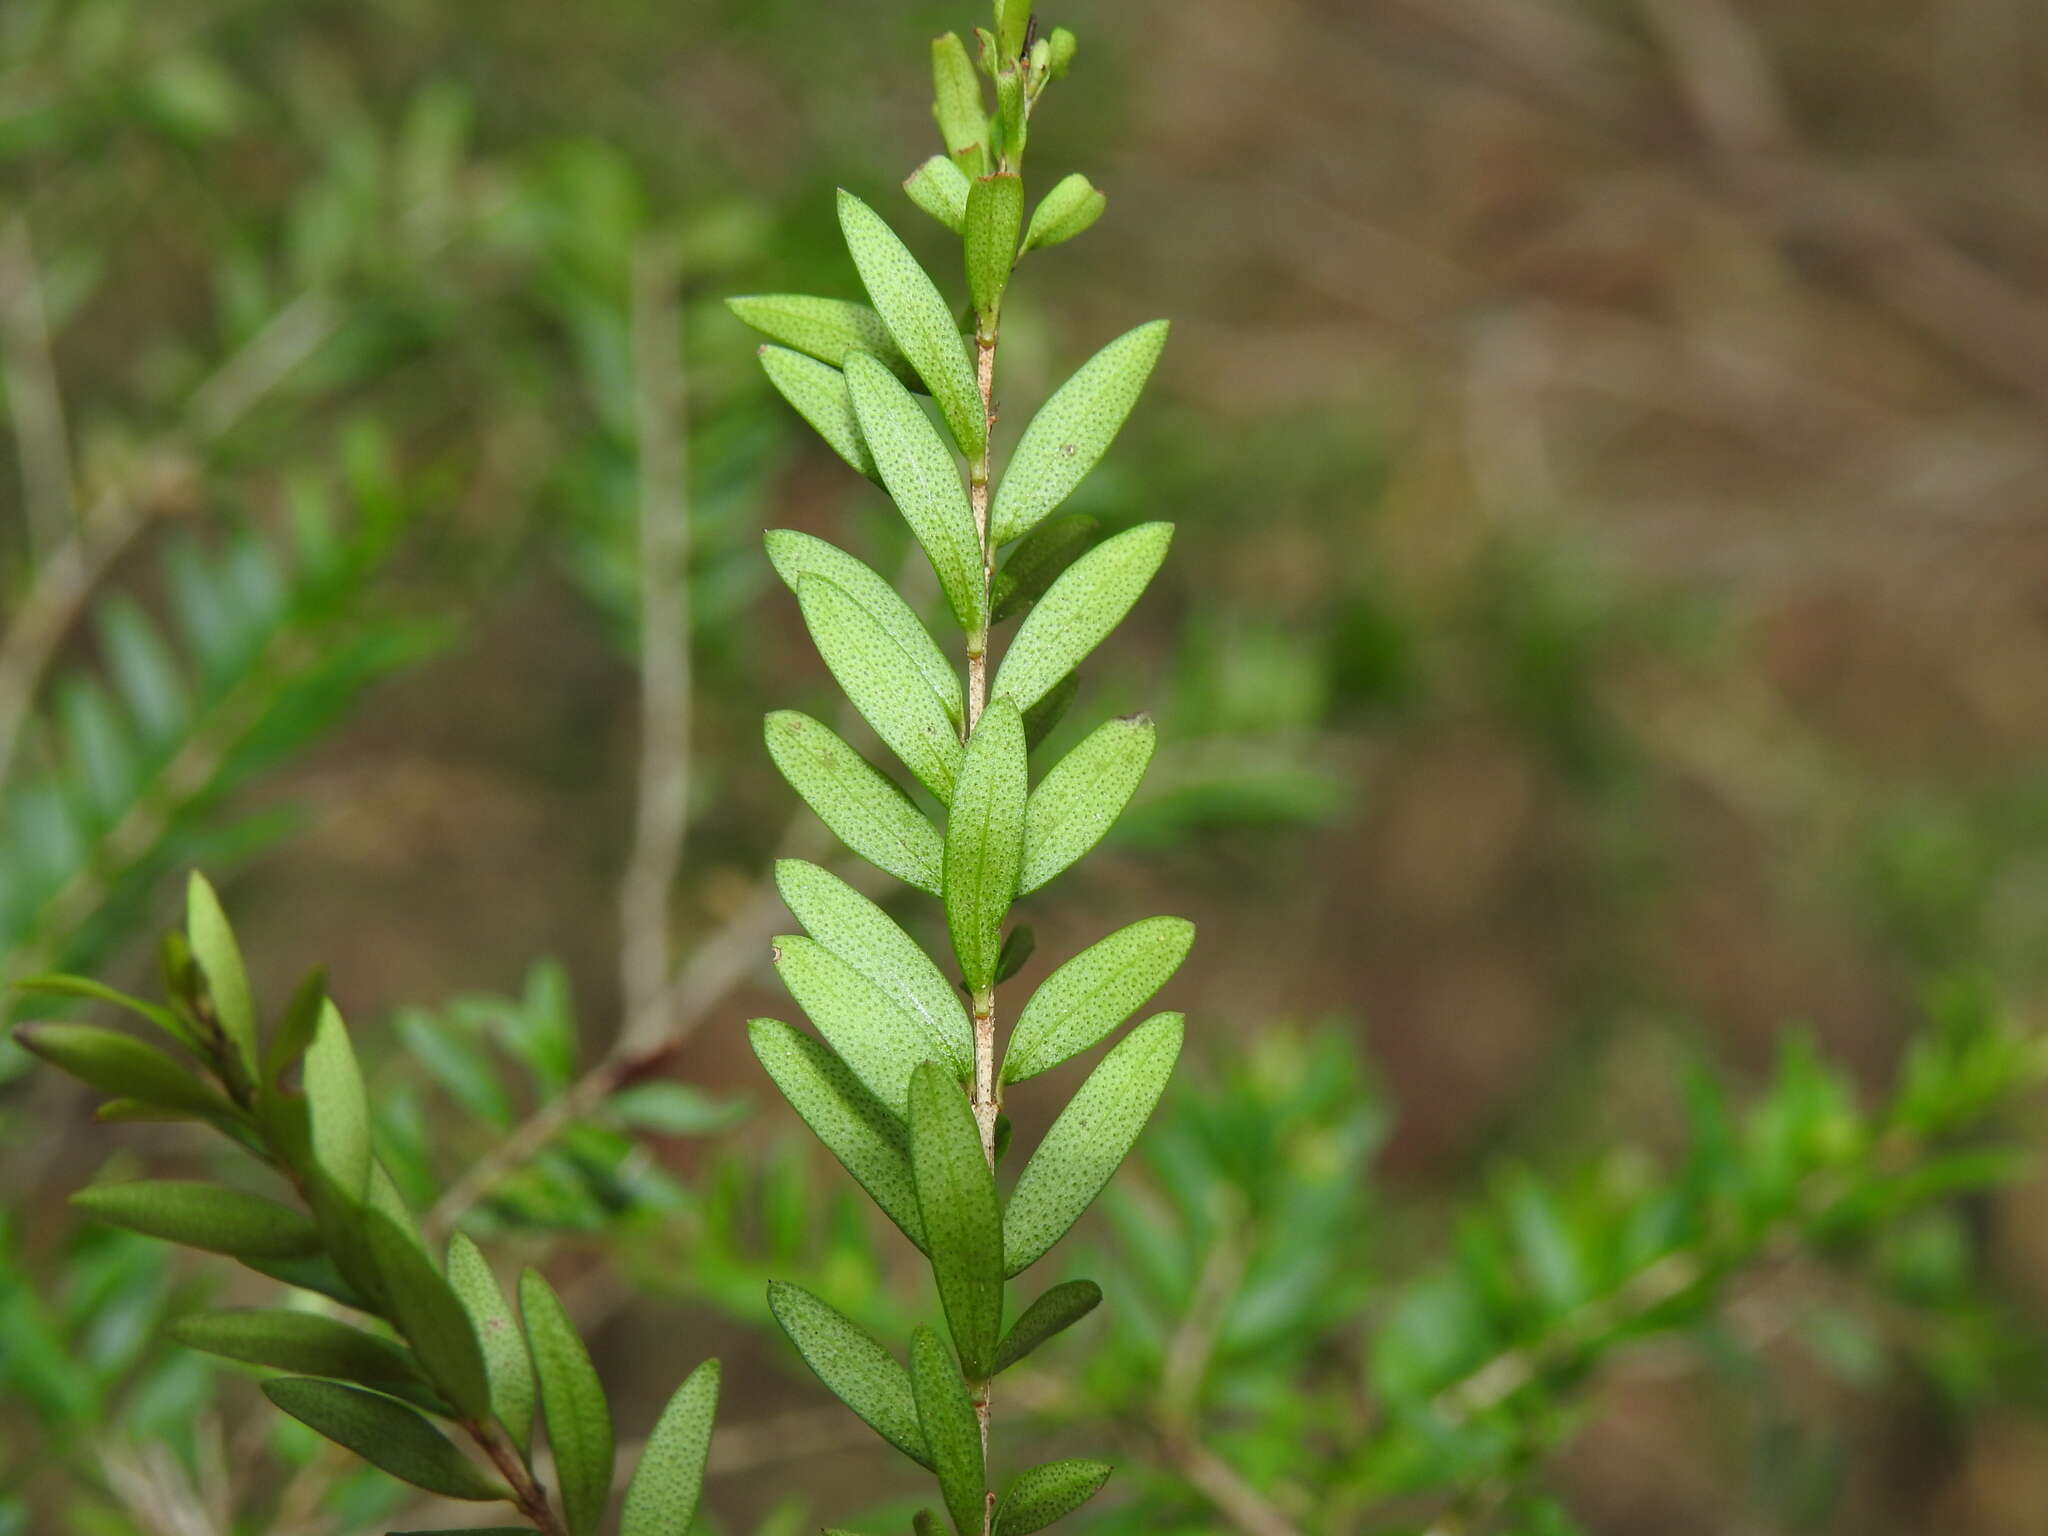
[[826, 329], [855, 1126], [1060, 51], [1066, 211], [883, 683], [425, 1309], [866, 809], [572, 1400], [919, 318], [1072, 431], [1082, 1001], [338, 1114], [220, 961], [1013, 19], [995, 215], [939, 187], [868, 939], [1042, 718], [1088, 1140], [1051, 1492], [876, 1037], [797, 555], [963, 1220], [305, 1344], [853, 1366], [507, 1366], [1088, 601], [985, 841], [956, 103], [1082, 795], [295, 1026], [662, 1498], [950, 1429], [818, 393], [1053, 1313], [125, 1067], [923, 479], [207, 1216], [1037, 561], [386, 1434]]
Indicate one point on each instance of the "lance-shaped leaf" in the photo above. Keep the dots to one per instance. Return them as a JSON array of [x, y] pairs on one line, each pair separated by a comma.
[[866, 809], [985, 841], [879, 1039], [797, 555], [572, 1400], [1082, 1001], [939, 187], [338, 1114], [124, 1066], [950, 1429], [386, 1434], [1037, 561], [508, 1367], [818, 393], [1066, 211], [963, 1221], [883, 683], [995, 216], [207, 1216], [84, 986], [1019, 944], [1081, 797], [826, 329], [1088, 1140], [305, 1344], [853, 1366], [855, 1126], [923, 479], [662, 1498], [1042, 718], [919, 318], [220, 961], [426, 1310], [295, 1026], [956, 102], [1054, 1312], [1088, 601], [1072, 431], [1013, 20], [317, 1274], [868, 939], [1051, 1492]]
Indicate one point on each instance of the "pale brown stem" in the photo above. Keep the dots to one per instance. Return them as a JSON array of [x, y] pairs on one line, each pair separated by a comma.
[[527, 1493]]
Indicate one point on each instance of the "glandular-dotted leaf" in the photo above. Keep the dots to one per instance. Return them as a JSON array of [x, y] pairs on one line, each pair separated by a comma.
[[1066, 211], [1088, 1140], [1088, 601], [923, 479], [386, 1434], [883, 682], [1047, 1493], [303, 1343], [853, 1366], [1082, 1001], [123, 1066], [1053, 1313], [868, 939], [963, 1221], [207, 1216], [957, 103], [572, 1401], [1037, 561], [426, 1311], [870, 1142], [939, 187], [985, 841], [662, 1498], [338, 1115], [818, 393], [995, 215], [797, 555], [508, 1367], [1072, 431], [866, 809], [826, 329], [220, 961], [874, 1035], [919, 318], [1081, 796], [950, 1429]]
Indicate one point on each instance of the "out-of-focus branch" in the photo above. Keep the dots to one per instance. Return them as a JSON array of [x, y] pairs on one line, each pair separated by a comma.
[[35, 403]]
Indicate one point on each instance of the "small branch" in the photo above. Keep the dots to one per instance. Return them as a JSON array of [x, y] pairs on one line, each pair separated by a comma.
[[527, 1493], [35, 402], [1219, 1482]]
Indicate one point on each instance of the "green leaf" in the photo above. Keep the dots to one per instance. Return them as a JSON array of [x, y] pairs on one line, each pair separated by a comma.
[[1051, 1492], [317, 1274], [1053, 1313], [855, 1126], [579, 1421], [883, 682], [426, 1311], [866, 809], [1088, 601], [852, 1365], [1042, 718], [1081, 1002], [220, 961], [470, 1530], [206, 1216], [1060, 51], [386, 1434], [295, 1027], [508, 1367], [1010, 117], [919, 318], [662, 1498], [1072, 431], [124, 1066], [1066, 211], [303, 1343], [668, 1108], [985, 841], [825, 329], [455, 1060], [925, 1523], [338, 1112], [1089, 1140], [939, 187], [868, 939], [1013, 20], [950, 1429], [85, 986], [1082, 795], [817, 391], [995, 215], [878, 1039], [923, 479], [963, 1220], [797, 555], [1037, 561], [957, 104], [1019, 944]]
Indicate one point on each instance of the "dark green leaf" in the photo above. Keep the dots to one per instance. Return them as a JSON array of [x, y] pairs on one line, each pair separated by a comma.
[[818, 393], [1080, 798], [1088, 601], [1042, 718], [951, 1430], [508, 1368], [1037, 561], [1082, 1001], [985, 841], [425, 1309], [295, 1027], [1066, 211], [797, 555], [963, 1221], [386, 1434], [884, 684], [85, 986], [1048, 1493], [204, 1216], [305, 1344], [578, 1418], [1054, 1312], [866, 809], [995, 216], [1018, 946], [858, 1370], [662, 1498], [220, 961], [825, 329], [124, 1066]]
